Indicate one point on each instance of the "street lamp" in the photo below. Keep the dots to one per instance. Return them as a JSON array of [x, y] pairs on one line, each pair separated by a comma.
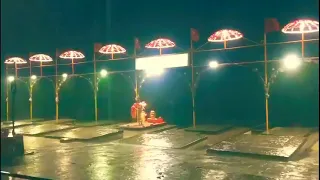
[[213, 64], [64, 76], [291, 62], [33, 77], [10, 79], [103, 73]]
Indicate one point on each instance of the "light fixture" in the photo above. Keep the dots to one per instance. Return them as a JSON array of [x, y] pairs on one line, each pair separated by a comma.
[[33, 77], [10, 78], [213, 64], [291, 62], [103, 73]]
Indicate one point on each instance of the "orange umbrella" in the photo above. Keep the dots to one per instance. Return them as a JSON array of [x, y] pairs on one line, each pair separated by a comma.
[[225, 35], [40, 58], [72, 55], [302, 27], [112, 49], [160, 44]]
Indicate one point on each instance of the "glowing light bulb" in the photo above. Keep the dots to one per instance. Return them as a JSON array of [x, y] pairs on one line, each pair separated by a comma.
[[291, 62], [213, 64], [33, 77], [103, 73], [10, 78]]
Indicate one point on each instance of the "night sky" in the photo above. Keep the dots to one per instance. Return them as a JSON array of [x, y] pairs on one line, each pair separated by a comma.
[[42, 26]]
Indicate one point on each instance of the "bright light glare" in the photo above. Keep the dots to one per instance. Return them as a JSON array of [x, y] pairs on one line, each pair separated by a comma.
[[11, 78], [154, 72], [291, 62], [103, 73], [64, 75], [33, 77], [213, 64]]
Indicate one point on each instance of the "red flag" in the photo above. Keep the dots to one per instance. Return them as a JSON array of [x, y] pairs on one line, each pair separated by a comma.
[[136, 43], [97, 47], [271, 24], [194, 35]]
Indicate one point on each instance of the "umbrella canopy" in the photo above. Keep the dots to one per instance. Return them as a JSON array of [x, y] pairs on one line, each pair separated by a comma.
[[160, 44], [72, 55], [225, 35], [15, 60], [40, 58], [301, 26], [112, 49]]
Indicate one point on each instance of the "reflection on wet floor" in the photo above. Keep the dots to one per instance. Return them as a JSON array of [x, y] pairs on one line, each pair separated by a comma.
[[100, 161]]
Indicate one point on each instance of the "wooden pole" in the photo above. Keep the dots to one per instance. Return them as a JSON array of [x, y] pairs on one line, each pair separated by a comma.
[[16, 69], [302, 45], [7, 93], [266, 85], [192, 82], [225, 44], [72, 64], [95, 86], [41, 68], [57, 89], [31, 88]]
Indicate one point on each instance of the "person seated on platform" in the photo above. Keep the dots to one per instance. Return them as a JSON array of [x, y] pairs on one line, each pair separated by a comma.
[[153, 119]]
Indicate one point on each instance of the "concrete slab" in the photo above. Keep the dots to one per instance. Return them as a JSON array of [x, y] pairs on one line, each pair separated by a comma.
[[268, 146], [85, 133], [60, 121], [16, 124], [289, 131], [178, 140], [135, 126], [209, 129], [37, 130]]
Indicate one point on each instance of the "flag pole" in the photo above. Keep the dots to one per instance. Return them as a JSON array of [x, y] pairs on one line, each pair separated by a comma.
[[57, 88], [192, 81], [266, 86], [95, 86]]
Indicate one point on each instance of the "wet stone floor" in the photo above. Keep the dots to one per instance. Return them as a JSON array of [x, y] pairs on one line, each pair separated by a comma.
[[118, 161]]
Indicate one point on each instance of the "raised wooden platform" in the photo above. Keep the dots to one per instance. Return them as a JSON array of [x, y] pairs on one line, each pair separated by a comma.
[[136, 127]]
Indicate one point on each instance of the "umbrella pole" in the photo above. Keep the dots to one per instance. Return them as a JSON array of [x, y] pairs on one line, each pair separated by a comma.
[[111, 55], [57, 93], [72, 64], [16, 69], [225, 44], [31, 104], [7, 94], [41, 68], [302, 45], [160, 51]]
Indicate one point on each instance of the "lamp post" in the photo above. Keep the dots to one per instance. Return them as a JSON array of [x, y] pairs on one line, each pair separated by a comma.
[[16, 61]]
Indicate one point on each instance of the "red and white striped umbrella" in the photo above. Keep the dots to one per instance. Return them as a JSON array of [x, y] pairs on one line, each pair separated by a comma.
[[301, 26], [225, 35], [112, 49], [40, 58], [15, 60], [72, 55], [160, 44]]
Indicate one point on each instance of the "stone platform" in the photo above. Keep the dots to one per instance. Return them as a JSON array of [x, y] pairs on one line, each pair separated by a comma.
[[267, 146], [16, 124], [86, 134], [169, 139], [289, 131], [41, 129], [209, 129], [136, 127], [59, 121]]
